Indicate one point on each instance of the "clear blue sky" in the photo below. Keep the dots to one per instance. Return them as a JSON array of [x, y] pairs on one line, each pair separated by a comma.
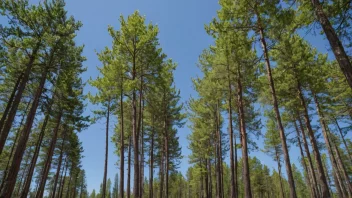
[[182, 37]]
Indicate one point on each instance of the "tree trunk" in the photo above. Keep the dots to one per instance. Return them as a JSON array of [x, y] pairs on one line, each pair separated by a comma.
[[61, 192], [311, 167], [343, 140], [304, 164], [327, 177], [75, 186], [24, 173], [135, 136], [81, 190], [166, 161], [140, 136], [106, 149], [11, 116], [242, 124], [122, 148], [9, 103], [151, 166], [135, 148], [69, 183], [129, 169], [142, 152], [117, 188], [277, 112], [210, 179], [230, 130], [338, 185], [49, 157], [21, 147], [217, 172], [161, 175], [325, 134], [60, 162], [206, 178], [279, 168], [13, 147], [220, 150], [343, 170], [27, 185], [236, 170], [218, 154], [201, 185], [61, 178], [322, 179], [335, 43]]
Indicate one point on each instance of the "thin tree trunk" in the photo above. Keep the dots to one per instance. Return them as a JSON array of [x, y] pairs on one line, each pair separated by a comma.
[[327, 177], [135, 148], [220, 150], [129, 169], [218, 154], [306, 148], [322, 179], [343, 140], [9, 103], [166, 161], [326, 137], [11, 116], [230, 130], [106, 148], [142, 153], [161, 174], [343, 170], [69, 183], [135, 137], [60, 162], [21, 147], [312, 186], [117, 188], [236, 170], [75, 186], [201, 185], [140, 136], [49, 157], [151, 166], [61, 178], [335, 43], [63, 183], [217, 167], [210, 179], [279, 168], [338, 185], [81, 190], [277, 112], [122, 148], [242, 124], [206, 178]]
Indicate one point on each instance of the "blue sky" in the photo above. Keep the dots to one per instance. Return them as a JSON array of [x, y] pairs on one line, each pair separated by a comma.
[[182, 37]]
